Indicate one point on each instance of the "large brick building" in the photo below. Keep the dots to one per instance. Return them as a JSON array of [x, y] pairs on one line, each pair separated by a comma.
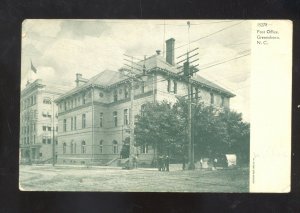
[[93, 118], [38, 121]]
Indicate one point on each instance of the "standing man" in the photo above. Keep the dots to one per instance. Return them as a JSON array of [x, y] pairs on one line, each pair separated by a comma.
[[167, 162], [159, 162]]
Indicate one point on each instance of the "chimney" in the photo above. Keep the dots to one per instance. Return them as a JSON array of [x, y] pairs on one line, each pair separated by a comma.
[[79, 80], [170, 44]]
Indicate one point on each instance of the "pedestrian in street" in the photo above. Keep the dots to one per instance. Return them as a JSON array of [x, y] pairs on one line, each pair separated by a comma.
[[135, 162], [159, 162], [183, 162], [167, 163], [163, 163]]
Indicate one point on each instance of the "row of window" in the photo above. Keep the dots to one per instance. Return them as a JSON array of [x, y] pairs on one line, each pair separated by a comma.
[[127, 91], [26, 116], [172, 86], [28, 129], [212, 99], [26, 140], [28, 102], [47, 140], [83, 147], [74, 123], [77, 101], [45, 128], [115, 117]]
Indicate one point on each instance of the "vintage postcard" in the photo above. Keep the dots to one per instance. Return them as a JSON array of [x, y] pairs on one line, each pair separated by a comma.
[[155, 105]]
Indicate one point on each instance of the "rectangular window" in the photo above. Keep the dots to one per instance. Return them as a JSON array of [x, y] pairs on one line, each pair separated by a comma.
[[75, 123], [65, 125], [222, 102], [83, 121], [49, 141], [44, 140], [65, 105], [71, 123], [115, 95], [196, 93], [83, 99], [49, 128], [44, 128], [175, 87], [143, 110], [126, 117], [126, 92], [212, 98], [34, 139], [144, 149], [169, 85], [101, 146], [115, 118], [101, 119], [143, 87]]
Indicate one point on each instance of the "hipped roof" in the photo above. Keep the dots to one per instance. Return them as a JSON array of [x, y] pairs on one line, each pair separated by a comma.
[[108, 78]]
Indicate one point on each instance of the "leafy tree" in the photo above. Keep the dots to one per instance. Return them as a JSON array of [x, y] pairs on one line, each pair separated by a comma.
[[215, 132], [160, 127], [239, 134]]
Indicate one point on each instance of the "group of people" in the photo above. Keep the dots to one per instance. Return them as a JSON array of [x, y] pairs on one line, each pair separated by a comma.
[[163, 162]]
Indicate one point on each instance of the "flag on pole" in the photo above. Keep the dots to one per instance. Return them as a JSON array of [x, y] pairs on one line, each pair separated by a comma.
[[32, 67]]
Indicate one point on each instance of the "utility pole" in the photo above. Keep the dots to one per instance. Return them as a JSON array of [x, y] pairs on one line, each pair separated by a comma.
[[133, 76], [53, 137], [188, 72], [131, 143]]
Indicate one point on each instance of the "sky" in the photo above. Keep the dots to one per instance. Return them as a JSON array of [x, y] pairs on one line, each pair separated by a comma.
[[59, 49]]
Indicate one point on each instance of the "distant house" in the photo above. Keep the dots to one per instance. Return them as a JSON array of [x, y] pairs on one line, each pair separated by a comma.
[[93, 118], [38, 121]]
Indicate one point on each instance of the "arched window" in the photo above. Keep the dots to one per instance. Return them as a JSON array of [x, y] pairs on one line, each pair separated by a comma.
[[115, 147], [72, 147], [64, 148], [83, 147], [101, 146]]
